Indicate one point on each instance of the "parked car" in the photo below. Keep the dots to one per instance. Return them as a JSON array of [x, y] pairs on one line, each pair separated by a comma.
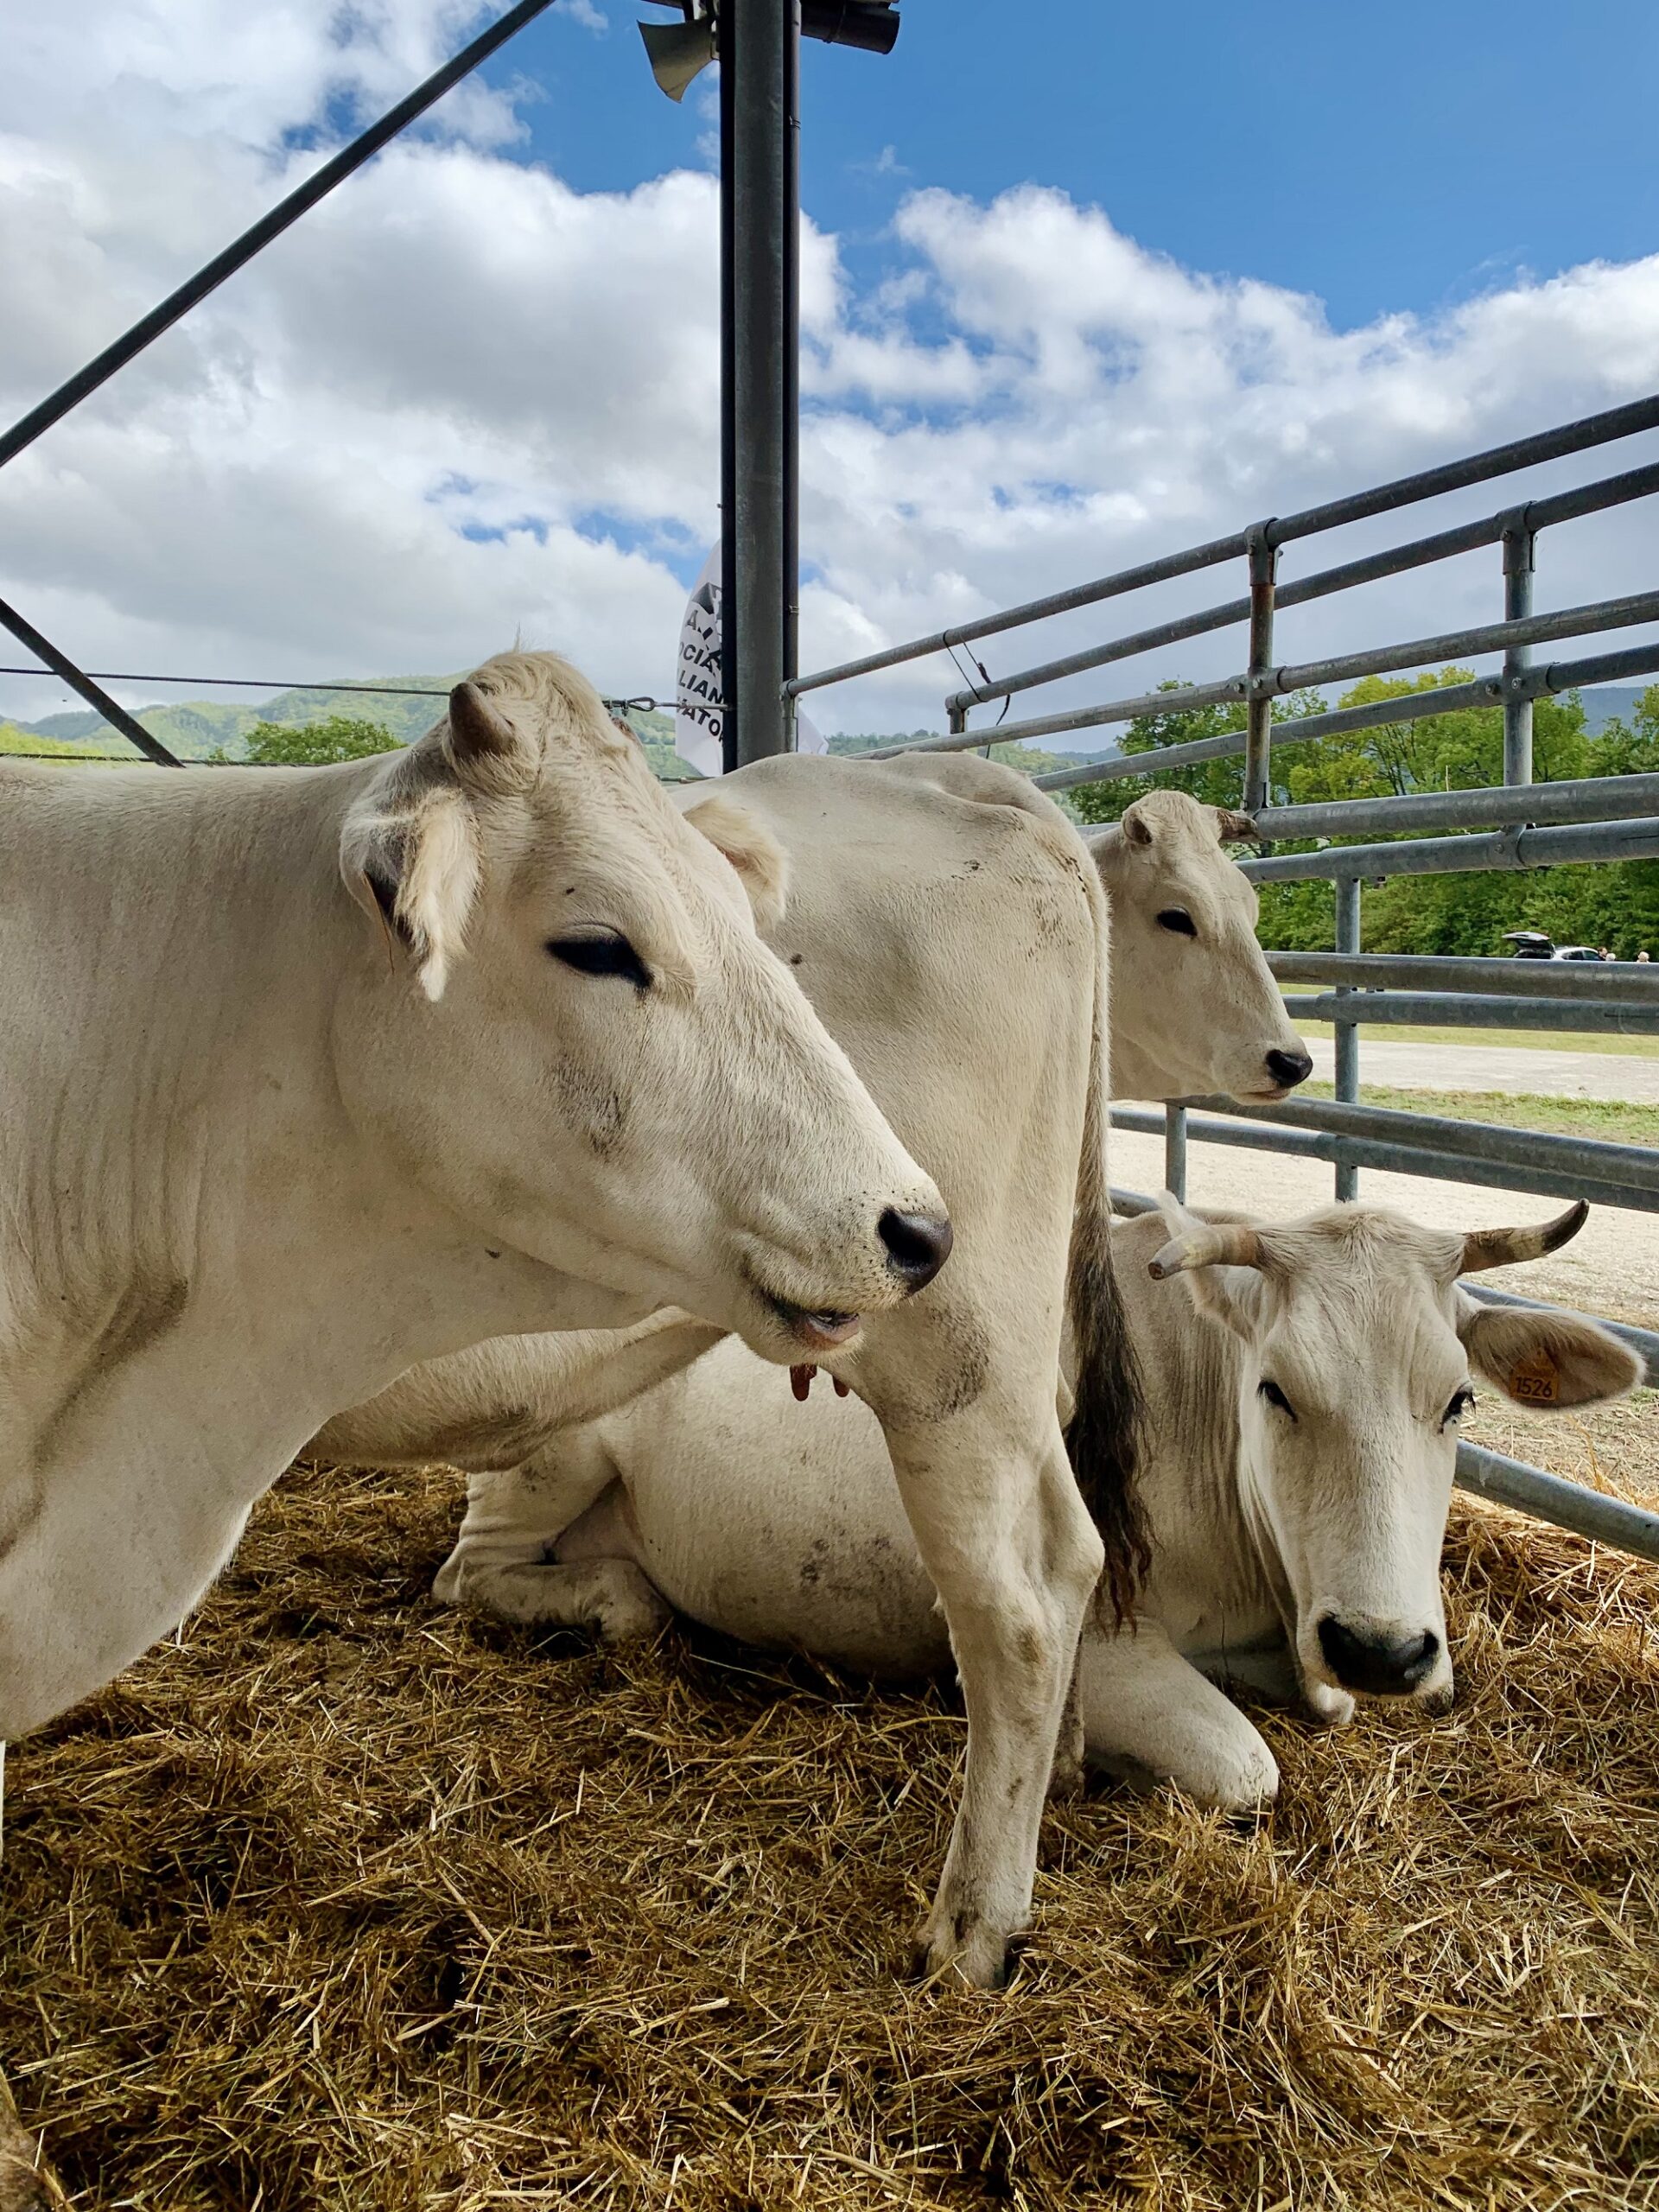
[[1529, 944], [1575, 952]]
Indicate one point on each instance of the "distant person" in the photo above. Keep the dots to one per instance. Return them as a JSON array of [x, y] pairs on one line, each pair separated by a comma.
[[1602, 954], [1643, 954]]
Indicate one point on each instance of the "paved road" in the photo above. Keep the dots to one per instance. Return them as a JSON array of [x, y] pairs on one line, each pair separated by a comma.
[[1540, 1073]]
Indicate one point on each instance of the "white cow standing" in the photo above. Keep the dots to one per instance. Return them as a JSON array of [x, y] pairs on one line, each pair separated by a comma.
[[305, 1074], [949, 926], [1306, 1383]]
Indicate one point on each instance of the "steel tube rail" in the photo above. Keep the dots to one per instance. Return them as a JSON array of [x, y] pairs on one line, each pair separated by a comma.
[[1634, 1164], [1474, 468], [1518, 557], [1345, 1036], [1175, 1148], [1443, 545], [1601, 981], [1464, 1010], [1462, 644], [1035, 610], [1396, 1159], [1228, 690], [1495, 637], [1403, 491], [1258, 724], [1583, 799], [1421, 706], [1501, 848], [1591, 1513], [241, 251]]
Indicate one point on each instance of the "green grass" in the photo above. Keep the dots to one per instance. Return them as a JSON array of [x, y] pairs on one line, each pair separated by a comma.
[[1613, 1120], [1536, 1040]]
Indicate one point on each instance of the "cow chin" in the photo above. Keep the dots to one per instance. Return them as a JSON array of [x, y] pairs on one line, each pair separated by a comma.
[[786, 1333]]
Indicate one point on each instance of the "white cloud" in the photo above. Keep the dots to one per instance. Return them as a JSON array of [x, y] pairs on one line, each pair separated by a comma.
[[462, 400]]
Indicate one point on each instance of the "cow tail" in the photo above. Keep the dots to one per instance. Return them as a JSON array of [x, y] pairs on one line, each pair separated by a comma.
[[1104, 1437]]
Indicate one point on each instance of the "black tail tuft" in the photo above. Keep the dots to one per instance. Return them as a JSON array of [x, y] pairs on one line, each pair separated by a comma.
[[1105, 1434]]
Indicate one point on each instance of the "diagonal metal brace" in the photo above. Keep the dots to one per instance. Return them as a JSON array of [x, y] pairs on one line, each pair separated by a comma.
[[241, 251], [93, 694]]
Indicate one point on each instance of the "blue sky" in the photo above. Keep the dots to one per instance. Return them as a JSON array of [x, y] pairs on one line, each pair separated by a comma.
[[1067, 306], [1383, 159]]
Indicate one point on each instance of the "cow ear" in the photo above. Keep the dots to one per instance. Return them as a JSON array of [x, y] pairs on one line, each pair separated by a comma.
[[485, 746], [1233, 828], [409, 857], [1135, 824], [1547, 1360], [762, 864]]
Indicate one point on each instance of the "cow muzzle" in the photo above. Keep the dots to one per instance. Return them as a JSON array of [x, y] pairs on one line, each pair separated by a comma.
[[918, 1245], [1374, 1664]]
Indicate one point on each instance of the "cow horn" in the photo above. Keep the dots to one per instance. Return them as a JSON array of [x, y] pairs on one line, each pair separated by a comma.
[[1502, 1247], [1219, 1244]]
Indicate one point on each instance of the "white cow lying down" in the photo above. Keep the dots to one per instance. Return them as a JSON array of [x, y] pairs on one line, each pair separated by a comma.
[[307, 1073], [1305, 1384], [945, 920]]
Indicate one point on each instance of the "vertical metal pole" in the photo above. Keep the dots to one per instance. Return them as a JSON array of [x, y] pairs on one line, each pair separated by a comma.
[[1518, 544], [1258, 741], [792, 579], [726, 42], [1175, 1150], [1347, 1033], [760, 32]]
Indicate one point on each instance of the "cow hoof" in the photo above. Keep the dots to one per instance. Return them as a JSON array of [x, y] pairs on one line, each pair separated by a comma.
[[630, 1610], [976, 1953]]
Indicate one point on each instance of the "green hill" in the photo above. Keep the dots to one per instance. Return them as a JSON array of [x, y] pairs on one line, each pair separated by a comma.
[[406, 708]]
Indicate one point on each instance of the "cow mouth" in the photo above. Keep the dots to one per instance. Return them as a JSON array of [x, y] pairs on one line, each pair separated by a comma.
[[820, 1332], [1270, 1097]]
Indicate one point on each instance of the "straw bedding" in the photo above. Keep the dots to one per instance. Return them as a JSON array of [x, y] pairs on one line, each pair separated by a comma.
[[345, 1902]]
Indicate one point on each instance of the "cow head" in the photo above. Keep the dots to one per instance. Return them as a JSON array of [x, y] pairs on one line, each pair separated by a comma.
[[1194, 1009], [561, 1022], [1358, 1354]]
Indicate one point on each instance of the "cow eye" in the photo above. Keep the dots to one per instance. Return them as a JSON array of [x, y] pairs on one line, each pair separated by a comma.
[[1275, 1396], [602, 952], [1463, 1401], [1177, 921]]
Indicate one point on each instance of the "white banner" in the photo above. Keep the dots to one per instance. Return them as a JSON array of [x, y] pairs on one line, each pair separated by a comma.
[[699, 711]]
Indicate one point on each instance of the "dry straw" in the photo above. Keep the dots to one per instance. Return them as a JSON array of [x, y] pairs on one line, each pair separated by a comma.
[[343, 1901]]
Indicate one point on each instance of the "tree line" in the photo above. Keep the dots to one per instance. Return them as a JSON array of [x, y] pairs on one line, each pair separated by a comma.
[[1615, 904]]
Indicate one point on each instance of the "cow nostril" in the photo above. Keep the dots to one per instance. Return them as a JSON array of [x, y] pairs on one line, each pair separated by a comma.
[[919, 1244], [1288, 1069], [1379, 1666]]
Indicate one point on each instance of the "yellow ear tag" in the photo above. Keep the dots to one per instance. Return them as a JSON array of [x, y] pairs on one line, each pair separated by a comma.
[[1535, 1380]]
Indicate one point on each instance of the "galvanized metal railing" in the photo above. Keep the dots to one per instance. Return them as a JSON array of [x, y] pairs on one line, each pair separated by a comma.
[[1516, 824]]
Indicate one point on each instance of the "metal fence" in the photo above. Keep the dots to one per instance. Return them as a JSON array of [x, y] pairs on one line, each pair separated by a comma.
[[1520, 824]]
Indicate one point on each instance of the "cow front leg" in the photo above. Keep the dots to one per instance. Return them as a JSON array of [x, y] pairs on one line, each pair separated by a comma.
[[501, 1563], [1149, 1716], [1014, 1557]]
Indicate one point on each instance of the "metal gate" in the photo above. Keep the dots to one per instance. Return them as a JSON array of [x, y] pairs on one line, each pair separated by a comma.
[[1519, 824]]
